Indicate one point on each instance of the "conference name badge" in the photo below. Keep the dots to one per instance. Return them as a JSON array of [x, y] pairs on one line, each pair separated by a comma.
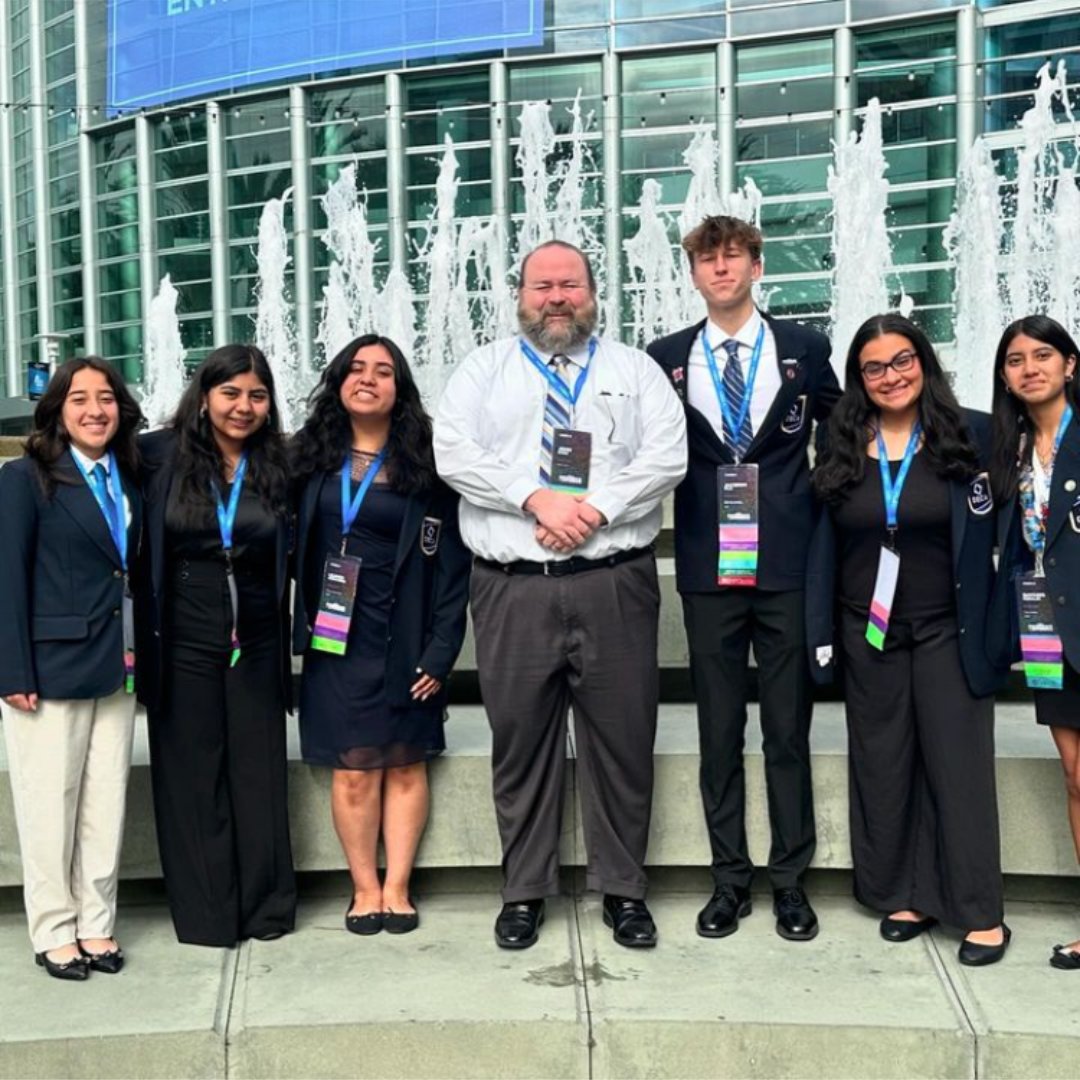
[[1040, 644], [888, 573], [571, 453], [980, 497], [737, 529], [341, 577]]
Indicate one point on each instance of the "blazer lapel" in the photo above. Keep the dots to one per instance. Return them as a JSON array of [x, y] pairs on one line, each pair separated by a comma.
[[677, 364], [792, 367], [79, 501], [135, 525], [410, 528], [1066, 468]]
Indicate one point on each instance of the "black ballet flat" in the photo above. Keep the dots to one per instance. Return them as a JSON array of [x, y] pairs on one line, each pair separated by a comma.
[[74, 970], [395, 922], [1065, 959], [108, 963], [364, 925]]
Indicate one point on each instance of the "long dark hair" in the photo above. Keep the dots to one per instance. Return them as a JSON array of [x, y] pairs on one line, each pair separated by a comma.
[[48, 441], [323, 442], [1013, 432], [946, 441], [199, 463]]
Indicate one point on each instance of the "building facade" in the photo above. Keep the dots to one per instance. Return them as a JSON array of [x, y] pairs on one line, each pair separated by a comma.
[[95, 208]]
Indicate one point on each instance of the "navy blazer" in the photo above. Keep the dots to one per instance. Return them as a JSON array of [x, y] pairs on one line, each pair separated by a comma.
[[158, 453], [61, 585], [808, 391], [1061, 559], [973, 533], [430, 589]]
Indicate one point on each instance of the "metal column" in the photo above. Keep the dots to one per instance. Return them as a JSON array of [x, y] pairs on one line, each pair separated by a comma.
[[500, 166], [87, 194], [144, 193], [303, 266], [219, 225], [725, 115], [7, 219], [967, 83], [612, 299], [40, 141], [395, 173], [844, 97]]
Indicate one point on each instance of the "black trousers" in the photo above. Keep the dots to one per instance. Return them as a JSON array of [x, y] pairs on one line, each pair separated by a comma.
[[218, 764], [924, 821], [543, 645], [719, 629]]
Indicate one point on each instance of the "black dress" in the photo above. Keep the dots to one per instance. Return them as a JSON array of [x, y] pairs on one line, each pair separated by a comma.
[[923, 805], [217, 738], [345, 719]]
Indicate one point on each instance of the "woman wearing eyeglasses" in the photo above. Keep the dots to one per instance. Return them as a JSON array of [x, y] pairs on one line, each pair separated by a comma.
[[1036, 475], [899, 582]]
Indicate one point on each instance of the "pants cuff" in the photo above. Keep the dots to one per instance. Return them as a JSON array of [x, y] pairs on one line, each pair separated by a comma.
[[632, 890], [518, 894]]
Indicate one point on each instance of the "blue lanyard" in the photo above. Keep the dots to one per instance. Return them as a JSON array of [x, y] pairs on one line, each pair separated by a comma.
[[553, 380], [350, 504], [890, 489], [226, 516], [114, 518], [1034, 522], [734, 424]]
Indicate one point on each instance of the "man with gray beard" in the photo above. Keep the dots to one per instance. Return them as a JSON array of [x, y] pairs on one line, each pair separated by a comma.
[[563, 445]]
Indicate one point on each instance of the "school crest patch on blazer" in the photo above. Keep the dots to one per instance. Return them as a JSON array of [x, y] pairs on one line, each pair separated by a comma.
[[1074, 515], [980, 497], [429, 535], [795, 418]]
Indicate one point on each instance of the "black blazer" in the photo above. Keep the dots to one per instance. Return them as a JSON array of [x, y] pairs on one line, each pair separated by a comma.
[[430, 589], [974, 527], [808, 391], [61, 585], [158, 451], [1061, 559]]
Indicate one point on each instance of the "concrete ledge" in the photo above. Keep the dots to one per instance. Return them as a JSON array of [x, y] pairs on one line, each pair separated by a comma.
[[462, 830]]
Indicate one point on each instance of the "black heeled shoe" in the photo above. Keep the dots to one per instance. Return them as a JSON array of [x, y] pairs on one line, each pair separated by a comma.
[[74, 970], [108, 963]]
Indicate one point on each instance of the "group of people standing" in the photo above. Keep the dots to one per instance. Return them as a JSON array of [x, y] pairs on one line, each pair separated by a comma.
[[161, 565]]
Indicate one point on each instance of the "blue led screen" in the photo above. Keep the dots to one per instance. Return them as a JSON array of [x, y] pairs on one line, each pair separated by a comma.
[[164, 50]]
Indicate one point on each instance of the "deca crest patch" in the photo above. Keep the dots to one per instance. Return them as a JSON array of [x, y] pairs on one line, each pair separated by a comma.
[[429, 535], [795, 418], [980, 497], [1074, 515]]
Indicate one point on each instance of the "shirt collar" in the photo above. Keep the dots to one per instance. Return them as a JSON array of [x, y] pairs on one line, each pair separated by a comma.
[[746, 335], [89, 463]]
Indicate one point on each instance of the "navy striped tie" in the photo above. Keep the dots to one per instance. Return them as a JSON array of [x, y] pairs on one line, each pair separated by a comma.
[[735, 391], [556, 415]]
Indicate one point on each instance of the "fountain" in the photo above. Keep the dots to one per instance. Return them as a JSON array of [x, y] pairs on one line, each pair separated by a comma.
[[164, 373]]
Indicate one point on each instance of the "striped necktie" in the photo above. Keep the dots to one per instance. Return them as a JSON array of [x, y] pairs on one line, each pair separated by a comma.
[[556, 415], [735, 391]]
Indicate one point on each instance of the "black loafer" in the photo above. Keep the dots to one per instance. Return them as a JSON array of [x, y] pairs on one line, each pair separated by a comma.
[[1065, 959], [365, 925], [74, 970], [975, 955], [108, 963], [904, 929], [630, 922], [403, 922], [795, 918], [518, 924], [721, 915]]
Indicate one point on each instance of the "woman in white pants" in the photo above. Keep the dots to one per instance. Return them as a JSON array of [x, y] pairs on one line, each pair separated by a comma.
[[69, 530]]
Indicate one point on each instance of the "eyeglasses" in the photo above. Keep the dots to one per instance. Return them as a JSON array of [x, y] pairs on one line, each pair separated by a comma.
[[876, 369]]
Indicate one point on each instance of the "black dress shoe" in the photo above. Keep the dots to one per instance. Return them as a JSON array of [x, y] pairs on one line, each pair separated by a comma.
[[795, 918], [74, 970], [1065, 959], [365, 925], [630, 922], [975, 955], [904, 929], [518, 924], [400, 922], [109, 963], [721, 915]]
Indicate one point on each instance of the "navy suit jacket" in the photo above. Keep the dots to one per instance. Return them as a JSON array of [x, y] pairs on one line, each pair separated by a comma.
[[1061, 559], [158, 453], [430, 589], [973, 518], [61, 585], [808, 391]]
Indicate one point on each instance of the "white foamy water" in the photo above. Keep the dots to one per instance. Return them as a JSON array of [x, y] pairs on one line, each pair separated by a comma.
[[164, 374]]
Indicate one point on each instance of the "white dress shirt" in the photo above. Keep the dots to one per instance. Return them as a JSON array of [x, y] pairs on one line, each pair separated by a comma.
[[700, 390], [88, 464], [488, 427]]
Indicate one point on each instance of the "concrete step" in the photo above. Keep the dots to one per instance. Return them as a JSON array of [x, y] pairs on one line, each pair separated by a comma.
[[445, 1002], [462, 831]]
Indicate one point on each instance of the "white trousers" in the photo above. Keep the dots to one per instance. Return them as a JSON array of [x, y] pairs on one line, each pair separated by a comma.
[[69, 764]]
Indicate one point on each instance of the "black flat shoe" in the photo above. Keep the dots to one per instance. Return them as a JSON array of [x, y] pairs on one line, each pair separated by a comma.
[[109, 963], [518, 924], [74, 970], [975, 955], [270, 935], [364, 925], [904, 929], [721, 915], [400, 922], [630, 922], [795, 918], [1065, 959]]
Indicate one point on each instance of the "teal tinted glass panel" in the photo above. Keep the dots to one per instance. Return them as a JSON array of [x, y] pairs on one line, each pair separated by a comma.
[[121, 211], [784, 140], [183, 199], [665, 31], [422, 169], [920, 81], [184, 231], [673, 188], [254, 150], [782, 60], [349, 137], [912, 164], [554, 82], [670, 72], [1044, 36], [370, 175], [901, 44], [447, 90], [779, 99], [462, 125], [661, 151], [116, 277], [258, 187], [181, 163], [786, 177], [115, 242]]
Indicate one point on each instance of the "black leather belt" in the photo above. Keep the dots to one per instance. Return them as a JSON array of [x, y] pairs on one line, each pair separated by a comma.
[[576, 564]]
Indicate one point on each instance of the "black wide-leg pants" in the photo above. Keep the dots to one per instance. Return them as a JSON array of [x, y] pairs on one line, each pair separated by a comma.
[[218, 764], [924, 820], [720, 628]]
